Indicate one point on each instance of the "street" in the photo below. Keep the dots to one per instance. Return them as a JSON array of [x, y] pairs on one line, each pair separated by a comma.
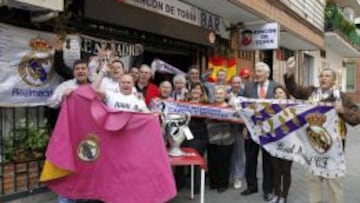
[[298, 191]]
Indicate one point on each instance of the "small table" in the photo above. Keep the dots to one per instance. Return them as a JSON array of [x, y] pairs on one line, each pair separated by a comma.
[[192, 158]]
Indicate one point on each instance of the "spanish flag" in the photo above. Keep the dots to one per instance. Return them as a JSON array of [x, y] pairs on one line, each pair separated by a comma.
[[221, 63]]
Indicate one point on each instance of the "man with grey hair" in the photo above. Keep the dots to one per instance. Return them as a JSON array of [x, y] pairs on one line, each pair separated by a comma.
[[261, 88], [347, 110], [144, 86], [180, 91]]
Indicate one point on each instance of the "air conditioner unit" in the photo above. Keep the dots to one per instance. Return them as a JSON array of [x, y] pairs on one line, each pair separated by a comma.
[[35, 5], [3, 2], [44, 16]]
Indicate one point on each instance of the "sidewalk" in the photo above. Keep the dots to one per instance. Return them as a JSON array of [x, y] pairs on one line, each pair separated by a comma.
[[298, 192]]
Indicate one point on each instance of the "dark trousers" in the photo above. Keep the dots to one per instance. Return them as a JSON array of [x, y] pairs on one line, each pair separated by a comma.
[[251, 152], [219, 158], [282, 176], [180, 171]]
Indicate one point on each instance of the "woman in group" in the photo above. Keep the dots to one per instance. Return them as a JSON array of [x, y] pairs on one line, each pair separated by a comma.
[[220, 148], [282, 167], [197, 126]]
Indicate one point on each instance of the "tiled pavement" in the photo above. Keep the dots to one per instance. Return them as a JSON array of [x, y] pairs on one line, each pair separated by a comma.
[[298, 191]]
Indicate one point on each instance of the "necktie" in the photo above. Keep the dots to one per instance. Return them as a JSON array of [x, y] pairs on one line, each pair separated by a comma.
[[262, 93]]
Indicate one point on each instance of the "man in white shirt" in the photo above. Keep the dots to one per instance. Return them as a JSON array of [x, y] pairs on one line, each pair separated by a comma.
[[109, 76], [124, 100], [81, 73]]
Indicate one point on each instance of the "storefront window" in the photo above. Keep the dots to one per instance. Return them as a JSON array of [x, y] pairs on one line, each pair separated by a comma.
[[350, 76]]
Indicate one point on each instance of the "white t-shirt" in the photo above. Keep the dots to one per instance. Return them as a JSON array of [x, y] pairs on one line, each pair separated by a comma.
[[107, 84], [119, 101]]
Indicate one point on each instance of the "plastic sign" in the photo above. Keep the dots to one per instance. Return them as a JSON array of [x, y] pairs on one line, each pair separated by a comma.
[[258, 37]]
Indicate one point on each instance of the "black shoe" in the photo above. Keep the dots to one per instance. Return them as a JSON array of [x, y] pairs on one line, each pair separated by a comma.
[[268, 196], [221, 190], [196, 190], [249, 191], [212, 187]]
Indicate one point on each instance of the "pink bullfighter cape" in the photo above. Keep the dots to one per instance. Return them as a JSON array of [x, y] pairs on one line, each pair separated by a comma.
[[109, 155]]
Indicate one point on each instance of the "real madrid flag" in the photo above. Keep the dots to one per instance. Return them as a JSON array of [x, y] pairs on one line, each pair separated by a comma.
[[26, 57]]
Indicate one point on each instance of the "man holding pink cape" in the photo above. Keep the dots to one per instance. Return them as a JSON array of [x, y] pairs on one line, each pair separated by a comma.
[[99, 153]]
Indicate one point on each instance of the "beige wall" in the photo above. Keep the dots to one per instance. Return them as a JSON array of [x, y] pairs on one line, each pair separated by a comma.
[[356, 95], [272, 10]]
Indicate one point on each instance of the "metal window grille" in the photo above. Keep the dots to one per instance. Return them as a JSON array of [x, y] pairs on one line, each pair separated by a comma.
[[19, 169]]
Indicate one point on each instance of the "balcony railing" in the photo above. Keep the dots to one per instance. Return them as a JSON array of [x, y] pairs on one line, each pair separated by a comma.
[[336, 21]]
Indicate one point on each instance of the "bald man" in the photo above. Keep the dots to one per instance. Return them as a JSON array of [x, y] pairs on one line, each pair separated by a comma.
[[124, 100], [165, 90]]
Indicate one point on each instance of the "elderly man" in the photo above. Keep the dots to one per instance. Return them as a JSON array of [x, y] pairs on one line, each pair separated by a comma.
[[347, 110], [261, 88], [165, 90], [144, 86]]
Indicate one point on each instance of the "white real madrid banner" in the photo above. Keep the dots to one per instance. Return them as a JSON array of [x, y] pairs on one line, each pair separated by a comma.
[[298, 131], [26, 77]]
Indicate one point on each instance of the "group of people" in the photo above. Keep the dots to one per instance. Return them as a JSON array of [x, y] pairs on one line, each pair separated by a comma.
[[232, 154]]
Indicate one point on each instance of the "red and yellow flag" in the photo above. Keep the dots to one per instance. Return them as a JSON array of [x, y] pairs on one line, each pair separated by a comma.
[[221, 63]]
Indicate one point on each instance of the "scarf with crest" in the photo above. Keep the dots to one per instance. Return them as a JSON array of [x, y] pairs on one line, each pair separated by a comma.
[[330, 95]]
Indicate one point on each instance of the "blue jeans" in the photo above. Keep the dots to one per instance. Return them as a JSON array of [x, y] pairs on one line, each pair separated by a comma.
[[62, 199]]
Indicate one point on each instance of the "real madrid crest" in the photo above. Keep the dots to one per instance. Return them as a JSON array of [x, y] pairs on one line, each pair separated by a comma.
[[317, 135], [35, 68], [88, 150]]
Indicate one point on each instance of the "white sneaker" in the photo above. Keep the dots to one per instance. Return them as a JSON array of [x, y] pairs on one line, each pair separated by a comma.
[[237, 184], [275, 199]]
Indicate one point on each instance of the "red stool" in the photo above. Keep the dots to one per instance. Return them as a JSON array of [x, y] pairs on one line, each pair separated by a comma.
[[192, 158]]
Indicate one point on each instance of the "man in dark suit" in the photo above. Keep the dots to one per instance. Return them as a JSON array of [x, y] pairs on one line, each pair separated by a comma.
[[261, 88]]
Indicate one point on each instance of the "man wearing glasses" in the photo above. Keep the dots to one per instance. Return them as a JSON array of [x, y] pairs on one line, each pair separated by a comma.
[[144, 86]]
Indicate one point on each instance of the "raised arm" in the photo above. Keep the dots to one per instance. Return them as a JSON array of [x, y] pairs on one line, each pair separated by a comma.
[[105, 69], [294, 89], [59, 66]]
